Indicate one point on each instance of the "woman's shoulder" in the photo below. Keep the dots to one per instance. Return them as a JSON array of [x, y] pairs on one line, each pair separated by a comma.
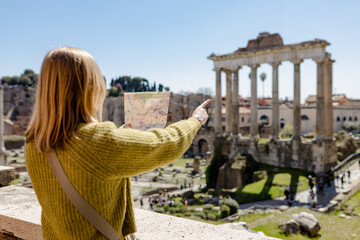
[[99, 126], [95, 131]]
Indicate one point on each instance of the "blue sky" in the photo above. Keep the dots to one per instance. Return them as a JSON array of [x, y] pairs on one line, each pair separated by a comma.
[[168, 41]]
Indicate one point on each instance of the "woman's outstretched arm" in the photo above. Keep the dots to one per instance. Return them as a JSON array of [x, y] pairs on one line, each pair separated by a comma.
[[126, 152]]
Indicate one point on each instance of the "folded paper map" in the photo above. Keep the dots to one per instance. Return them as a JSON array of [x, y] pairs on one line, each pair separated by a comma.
[[146, 110]]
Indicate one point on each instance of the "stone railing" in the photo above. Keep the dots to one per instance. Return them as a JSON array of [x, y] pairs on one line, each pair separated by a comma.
[[20, 215]]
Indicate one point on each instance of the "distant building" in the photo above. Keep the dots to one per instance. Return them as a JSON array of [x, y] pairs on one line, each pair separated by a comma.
[[337, 99], [18, 105], [341, 114]]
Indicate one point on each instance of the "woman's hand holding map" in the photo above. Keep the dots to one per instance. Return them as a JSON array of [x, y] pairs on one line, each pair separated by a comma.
[[200, 112]]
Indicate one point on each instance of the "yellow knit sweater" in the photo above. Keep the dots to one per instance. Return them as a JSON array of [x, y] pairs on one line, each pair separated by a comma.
[[99, 162]]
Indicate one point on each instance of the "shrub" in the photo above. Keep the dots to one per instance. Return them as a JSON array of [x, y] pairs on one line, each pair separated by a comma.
[[208, 207], [286, 135], [211, 216], [175, 204], [200, 214], [206, 211], [188, 214], [287, 131], [159, 210], [310, 135], [225, 211], [180, 205], [351, 126], [341, 132], [175, 210], [166, 208], [199, 201], [180, 215], [232, 204], [216, 214]]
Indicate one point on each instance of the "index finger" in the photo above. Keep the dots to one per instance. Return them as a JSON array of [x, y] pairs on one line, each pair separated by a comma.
[[205, 103]]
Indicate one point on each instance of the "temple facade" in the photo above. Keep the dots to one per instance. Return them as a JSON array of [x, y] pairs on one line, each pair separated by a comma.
[[270, 49]]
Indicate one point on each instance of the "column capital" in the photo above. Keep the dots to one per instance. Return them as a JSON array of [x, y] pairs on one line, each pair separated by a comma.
[[275, 64], [226, 70], [254, 66], [235, 69], [217, 69], [319, 60], [297, 61], [328, 60]]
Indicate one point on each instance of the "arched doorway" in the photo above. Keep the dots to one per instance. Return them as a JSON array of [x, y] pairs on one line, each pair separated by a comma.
[[282, 123], [264, 119], [304, 124]]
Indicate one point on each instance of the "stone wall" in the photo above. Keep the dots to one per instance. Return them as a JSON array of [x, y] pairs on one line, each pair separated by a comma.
[[14, 141], [20, 215], [313, 156]]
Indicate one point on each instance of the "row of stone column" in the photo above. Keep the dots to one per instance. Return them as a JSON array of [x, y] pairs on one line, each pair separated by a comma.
[[324, 126]]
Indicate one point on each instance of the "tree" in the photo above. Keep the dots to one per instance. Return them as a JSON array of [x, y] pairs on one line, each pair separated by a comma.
[[263, 77], [205, 91], [29, 78], [14, 80], [212, 171], [287, 131], [145, 84], [113, 92], [6, 80], [104, 80], [153, 87], [351, 126], [135, 84], [25, 80]]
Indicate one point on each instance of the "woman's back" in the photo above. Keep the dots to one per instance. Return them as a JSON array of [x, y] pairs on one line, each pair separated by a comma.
[[98, 161]]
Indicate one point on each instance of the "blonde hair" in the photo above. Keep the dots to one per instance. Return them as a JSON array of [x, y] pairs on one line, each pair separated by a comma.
[[70, 90]]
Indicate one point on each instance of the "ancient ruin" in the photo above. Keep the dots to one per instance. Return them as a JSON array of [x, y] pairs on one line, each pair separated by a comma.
[[318, 155], [232, 174], [2, 144]]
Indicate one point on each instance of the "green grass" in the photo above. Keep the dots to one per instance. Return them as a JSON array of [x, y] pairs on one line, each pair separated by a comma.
[[16, 181], [355, 202], [333, 227], [263, 140], [181, 162], [273, 185]]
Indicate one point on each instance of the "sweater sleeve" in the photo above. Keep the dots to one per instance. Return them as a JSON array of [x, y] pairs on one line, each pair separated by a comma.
[[127, 152]]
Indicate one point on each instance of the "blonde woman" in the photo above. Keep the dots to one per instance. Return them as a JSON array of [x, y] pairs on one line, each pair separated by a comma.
[[97, 157]]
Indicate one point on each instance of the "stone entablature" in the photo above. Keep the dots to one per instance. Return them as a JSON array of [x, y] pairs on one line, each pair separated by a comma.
[[292, 52]]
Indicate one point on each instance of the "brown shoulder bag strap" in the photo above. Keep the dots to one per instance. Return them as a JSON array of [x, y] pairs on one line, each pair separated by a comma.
[[82, 206]]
